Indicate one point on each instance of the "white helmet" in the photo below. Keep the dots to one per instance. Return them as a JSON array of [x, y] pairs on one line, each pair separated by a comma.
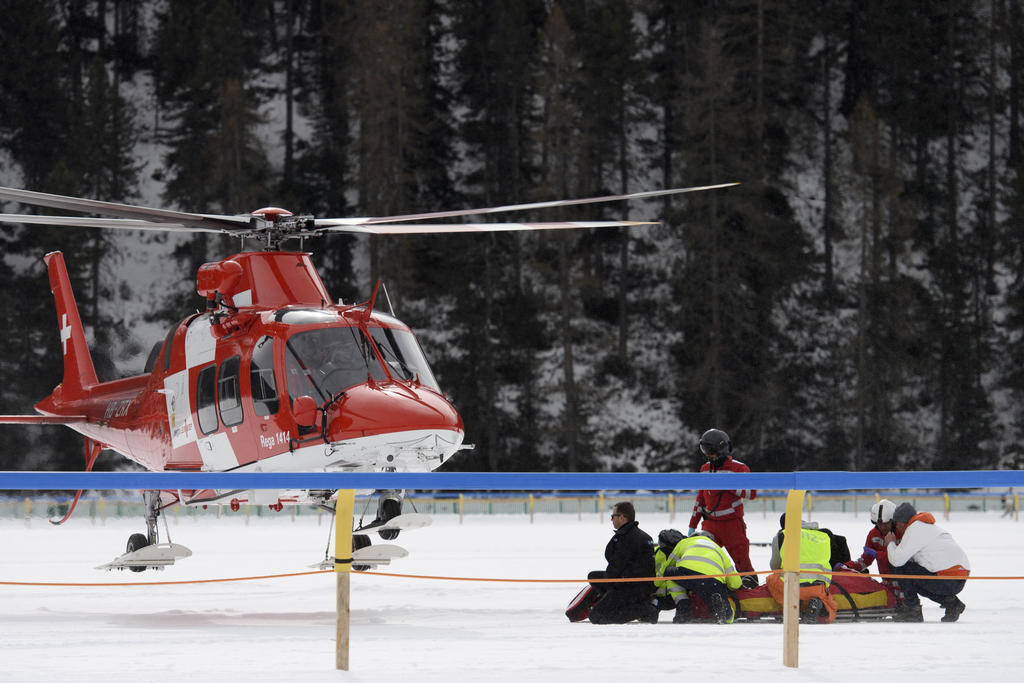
[[882, 511]]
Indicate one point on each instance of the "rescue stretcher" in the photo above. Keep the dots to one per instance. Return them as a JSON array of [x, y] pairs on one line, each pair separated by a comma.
[[859, 597]]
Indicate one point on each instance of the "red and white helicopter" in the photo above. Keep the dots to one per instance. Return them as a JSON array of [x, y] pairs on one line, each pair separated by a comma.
[[272, 377]]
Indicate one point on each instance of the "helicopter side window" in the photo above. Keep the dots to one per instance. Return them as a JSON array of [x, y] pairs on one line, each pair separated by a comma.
[[229, 395], [261, 377], [206, 399], [153, 355], [169, 341]]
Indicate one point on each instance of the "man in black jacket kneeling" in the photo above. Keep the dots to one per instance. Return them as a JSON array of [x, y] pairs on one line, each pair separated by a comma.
[[630, 554]]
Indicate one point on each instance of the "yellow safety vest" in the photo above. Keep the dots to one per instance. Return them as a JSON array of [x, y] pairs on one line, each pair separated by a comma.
[[666, 587], [704, 556], [815, 553]]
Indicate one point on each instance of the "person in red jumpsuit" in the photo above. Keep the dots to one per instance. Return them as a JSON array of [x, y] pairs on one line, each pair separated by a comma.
[[874, 546], [722, 511]]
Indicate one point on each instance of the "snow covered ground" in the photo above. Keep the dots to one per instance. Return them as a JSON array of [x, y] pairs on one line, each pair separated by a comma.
[[435, 630]]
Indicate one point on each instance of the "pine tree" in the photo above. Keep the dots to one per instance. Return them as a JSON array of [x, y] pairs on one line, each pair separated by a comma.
[[484, 284], [394, 83], [961, 354], [204, 57], [743, 252], [31, 71], [611, 78], [559, 137], [497, 45], [83, 146], [321, 173]]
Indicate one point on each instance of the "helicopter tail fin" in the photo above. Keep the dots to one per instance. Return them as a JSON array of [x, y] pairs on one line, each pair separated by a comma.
[[79, 372]]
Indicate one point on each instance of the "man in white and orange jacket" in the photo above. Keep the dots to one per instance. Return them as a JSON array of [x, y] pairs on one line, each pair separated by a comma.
[[925, 549]]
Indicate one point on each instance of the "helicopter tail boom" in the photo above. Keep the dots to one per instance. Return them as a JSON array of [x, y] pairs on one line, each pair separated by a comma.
[[79, 372]]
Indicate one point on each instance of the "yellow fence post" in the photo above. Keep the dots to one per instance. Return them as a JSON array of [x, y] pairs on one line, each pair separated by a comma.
[[791, 573], [531, 508], [343, 572], [600, 507], [671, 509], [945, 505], [460, 508]]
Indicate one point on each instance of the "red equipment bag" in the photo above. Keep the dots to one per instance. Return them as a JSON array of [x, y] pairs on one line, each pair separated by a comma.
[[579, 608]]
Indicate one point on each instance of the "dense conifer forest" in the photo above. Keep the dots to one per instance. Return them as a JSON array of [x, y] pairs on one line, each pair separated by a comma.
[[857, 303]]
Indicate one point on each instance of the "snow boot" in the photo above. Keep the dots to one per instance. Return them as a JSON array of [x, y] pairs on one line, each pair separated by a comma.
[[909, 613], [648, 613], [815, 609], [682, 613], [720, 609], [954, 608]]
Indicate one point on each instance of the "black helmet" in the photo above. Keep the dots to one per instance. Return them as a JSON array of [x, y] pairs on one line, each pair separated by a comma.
[[714, 443], [668, 539]]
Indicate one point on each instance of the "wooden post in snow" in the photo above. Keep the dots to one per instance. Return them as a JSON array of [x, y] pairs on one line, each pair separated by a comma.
[[343, 571], [791, 572]]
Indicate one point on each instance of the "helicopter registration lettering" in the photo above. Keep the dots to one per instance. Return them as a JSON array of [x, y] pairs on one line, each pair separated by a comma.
[[271, 441], [117, 409]]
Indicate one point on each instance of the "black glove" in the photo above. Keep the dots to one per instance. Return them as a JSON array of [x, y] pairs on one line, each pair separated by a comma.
[[673, 571]]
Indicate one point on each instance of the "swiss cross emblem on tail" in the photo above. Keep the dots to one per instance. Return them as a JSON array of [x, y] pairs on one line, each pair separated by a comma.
[[65, 333], [79, 372]]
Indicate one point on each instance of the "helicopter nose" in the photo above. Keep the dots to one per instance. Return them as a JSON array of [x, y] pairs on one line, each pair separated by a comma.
[[383, 409]]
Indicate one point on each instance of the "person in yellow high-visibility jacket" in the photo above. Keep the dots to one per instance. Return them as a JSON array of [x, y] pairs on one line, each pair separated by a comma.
[[815, 575], [669, 594], [700, 557]]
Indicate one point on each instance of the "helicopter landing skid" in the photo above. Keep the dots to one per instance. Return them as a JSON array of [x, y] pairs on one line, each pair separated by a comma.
[[155, 556], [368, 557], [412, 520]]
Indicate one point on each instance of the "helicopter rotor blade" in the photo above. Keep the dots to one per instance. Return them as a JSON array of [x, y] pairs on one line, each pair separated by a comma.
[[438, 228], [117, 223], [156, 216], [275, 230], [517, 207]]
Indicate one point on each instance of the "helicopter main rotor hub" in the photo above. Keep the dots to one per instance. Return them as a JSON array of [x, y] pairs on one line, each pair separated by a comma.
[[273, 226]]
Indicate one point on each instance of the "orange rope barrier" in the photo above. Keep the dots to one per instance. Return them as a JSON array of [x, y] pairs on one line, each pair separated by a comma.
[[675, 578], [478, 579], [458, 578], [163, 583]]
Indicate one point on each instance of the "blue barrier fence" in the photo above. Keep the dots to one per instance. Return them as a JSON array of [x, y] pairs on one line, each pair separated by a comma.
[[511, 481]]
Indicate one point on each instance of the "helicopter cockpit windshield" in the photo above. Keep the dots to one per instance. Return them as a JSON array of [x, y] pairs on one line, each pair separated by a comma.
[[402, 352], [322, 363]]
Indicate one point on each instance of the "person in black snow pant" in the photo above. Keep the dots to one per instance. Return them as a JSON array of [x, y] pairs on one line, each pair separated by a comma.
[[630, 554]]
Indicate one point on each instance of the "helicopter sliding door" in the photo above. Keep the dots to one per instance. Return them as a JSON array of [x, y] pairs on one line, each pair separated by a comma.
[[222, 430], [269, 423], [225, 438]]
